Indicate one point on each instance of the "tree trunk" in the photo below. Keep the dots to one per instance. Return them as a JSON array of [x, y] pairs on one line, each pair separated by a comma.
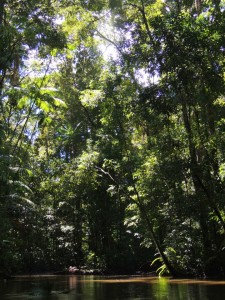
[[78, 232], [2, 4], [165, 260], [196, 171]]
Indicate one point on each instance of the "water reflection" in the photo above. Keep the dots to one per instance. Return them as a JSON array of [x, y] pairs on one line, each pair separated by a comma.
[[100, 288]]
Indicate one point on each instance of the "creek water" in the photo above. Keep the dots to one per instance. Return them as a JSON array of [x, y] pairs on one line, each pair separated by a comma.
[[110, 288]]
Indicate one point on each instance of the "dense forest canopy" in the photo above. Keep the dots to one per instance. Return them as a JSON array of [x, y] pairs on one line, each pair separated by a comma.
[[112, 135]]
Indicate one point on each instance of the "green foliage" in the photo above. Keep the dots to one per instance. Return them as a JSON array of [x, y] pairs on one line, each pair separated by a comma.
[[162, 270], [105, 160]]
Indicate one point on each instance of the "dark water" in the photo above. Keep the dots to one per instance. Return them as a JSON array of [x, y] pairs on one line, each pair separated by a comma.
[[110, 288]]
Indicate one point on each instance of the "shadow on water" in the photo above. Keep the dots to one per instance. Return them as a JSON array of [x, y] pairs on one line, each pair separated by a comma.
[[110, 288]]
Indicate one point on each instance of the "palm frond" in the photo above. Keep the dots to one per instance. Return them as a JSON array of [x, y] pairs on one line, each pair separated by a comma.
[[21, 184], [23, 199]]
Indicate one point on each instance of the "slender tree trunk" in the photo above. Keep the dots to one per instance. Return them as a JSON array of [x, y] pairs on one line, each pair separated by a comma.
[[198, 6], [2, 71], [196, 172], [78, 232], [211, 125], [165, 260], [2, 4]]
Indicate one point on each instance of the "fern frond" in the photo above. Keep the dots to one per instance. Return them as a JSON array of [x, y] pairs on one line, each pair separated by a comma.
[[155, 260], [21, 184], [23, 199]]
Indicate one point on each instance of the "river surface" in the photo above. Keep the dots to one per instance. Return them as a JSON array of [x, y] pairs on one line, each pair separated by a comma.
[[110, 288]]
